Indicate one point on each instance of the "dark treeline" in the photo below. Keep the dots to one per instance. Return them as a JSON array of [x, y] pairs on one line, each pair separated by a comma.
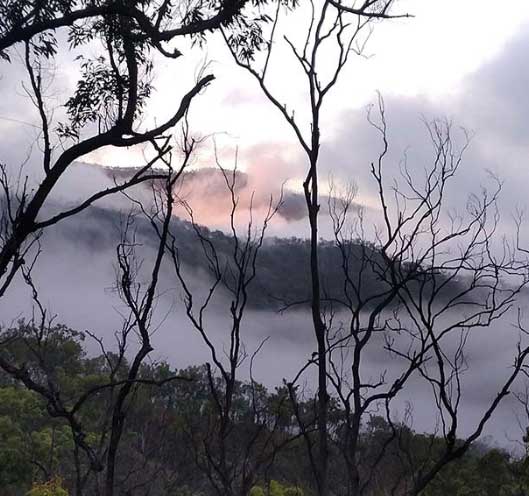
[[170, 444], [99, 228]]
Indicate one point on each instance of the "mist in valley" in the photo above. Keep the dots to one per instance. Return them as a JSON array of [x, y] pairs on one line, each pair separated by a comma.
[[76, 276]]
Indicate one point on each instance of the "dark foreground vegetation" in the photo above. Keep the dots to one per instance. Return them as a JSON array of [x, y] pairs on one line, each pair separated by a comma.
[[171, 444]]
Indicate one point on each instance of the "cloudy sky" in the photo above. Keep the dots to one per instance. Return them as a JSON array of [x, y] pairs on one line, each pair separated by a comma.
[[463, 61], [458, 60]]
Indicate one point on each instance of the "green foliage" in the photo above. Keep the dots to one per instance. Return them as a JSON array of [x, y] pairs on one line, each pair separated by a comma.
[[27, 433], [293, 491], [21, 420], [257, 491], [276, 488], [490, 474], [50, 488], [165, 424]]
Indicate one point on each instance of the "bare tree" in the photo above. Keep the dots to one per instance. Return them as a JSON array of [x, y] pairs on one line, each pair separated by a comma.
[[333, 33], [229, 449], [124, 376], [415, 280], [441, 275], [105, 109]]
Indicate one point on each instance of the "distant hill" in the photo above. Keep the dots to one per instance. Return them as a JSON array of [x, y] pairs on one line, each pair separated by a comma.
[[283, 275], [208, 182]]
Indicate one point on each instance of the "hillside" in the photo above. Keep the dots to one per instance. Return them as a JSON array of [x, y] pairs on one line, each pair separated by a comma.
[[282, 277]]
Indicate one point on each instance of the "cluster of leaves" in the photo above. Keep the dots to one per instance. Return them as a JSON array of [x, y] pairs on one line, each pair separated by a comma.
[[275, 488], [16, 15], [33, 444], [99, 97], [492, 473], [50, 488], [129, 32]]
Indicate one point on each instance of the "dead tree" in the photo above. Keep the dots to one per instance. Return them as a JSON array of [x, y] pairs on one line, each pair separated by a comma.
[[333, 32], [105, 109], [124, 374], [440, 276], [230, 460]]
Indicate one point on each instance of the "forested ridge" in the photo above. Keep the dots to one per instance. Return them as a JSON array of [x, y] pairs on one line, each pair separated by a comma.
[[281, 280]]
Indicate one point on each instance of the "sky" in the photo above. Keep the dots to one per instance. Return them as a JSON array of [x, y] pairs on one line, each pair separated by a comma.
[[456, 60], [461, 60], [427, 56]]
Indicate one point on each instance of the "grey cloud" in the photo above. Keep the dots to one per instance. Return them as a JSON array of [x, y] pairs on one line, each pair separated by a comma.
[[491, 104], [494, 99]]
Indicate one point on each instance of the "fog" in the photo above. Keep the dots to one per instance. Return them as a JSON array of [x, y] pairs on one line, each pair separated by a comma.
[[76, 277]]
